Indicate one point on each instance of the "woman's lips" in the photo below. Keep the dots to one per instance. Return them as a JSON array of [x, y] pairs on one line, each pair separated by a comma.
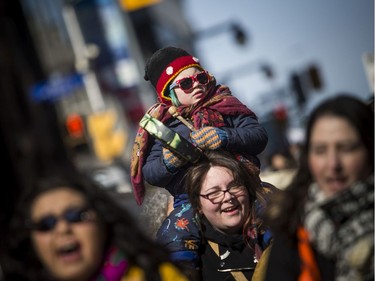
[[69, 253], [336, 183], [230, 210]]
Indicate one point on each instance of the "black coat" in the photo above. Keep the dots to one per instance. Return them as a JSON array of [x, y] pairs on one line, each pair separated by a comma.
[[235, 255]]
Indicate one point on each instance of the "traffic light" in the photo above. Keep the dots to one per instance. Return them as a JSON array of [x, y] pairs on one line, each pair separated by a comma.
[[267, 70], [108, 140], [298, 88], [314, 77], [305, 81], [239, 34], [133, 5], [75, 126], [280, 115]]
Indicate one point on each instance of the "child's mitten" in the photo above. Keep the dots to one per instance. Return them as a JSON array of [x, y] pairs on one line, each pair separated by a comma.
[[209, 138], [171, 160]]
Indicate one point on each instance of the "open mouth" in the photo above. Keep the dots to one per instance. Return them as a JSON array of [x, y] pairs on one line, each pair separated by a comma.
[[230, 209], [336, 181], [69, 252]]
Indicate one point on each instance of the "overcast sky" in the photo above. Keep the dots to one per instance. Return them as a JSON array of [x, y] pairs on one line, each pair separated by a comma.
[[288, 35]]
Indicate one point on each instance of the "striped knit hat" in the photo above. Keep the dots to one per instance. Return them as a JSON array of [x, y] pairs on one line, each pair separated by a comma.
[[164, 65]]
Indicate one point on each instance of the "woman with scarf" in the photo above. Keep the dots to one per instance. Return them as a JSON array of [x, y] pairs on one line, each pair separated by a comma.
[[229, 200], [323, 222], [67, 228], [218, 120]]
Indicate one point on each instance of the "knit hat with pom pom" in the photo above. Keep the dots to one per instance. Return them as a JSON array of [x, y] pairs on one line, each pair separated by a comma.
[[164, 65]]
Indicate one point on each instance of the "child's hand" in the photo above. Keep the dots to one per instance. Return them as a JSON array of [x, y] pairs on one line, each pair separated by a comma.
[[209, 138], [171, 160]]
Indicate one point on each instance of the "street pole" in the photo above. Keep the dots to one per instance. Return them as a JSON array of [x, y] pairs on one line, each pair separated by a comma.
[[83, 54]]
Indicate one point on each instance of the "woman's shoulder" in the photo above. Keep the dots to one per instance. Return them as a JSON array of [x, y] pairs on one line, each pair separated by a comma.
[[261, 267]]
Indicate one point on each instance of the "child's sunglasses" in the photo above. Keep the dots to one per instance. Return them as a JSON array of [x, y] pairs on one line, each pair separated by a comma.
[[49, 222], [186, 83]]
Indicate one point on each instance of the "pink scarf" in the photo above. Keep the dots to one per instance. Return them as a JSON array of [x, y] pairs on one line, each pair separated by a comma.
[[114, 267]]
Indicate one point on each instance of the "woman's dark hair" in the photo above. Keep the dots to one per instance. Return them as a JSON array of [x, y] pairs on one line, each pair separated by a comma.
[[244, 173], [284, 212], [122, 230]]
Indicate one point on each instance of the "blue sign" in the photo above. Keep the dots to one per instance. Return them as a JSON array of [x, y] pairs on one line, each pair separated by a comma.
[[55, 88]]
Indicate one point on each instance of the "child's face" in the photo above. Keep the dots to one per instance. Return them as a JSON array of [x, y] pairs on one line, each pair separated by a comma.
[[196, 93]]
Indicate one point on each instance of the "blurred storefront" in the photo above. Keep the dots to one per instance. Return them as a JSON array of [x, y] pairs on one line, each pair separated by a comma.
[[84, 74]]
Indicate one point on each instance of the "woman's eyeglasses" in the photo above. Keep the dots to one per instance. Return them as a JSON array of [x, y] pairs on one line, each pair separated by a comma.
[[217, 196], [49, 222], [186, 83]]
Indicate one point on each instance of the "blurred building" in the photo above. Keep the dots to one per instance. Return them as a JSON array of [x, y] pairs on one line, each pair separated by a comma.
[[75, 69], [72, 87], [72, 79]]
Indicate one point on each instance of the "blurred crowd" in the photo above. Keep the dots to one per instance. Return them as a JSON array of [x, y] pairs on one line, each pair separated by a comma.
[[203, 203], [310, 216]]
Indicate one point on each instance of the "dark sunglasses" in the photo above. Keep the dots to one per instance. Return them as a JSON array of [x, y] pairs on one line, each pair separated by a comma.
[[186, 83], [49, 222]]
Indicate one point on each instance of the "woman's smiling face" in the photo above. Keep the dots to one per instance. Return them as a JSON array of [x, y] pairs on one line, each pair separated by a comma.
[[230, 214], [69, 250]]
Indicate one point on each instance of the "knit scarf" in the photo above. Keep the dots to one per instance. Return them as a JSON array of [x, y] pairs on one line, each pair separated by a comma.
[[114, 267], [255, 237], [208, 112], [233, 241], [140, 146], [342, 229]]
